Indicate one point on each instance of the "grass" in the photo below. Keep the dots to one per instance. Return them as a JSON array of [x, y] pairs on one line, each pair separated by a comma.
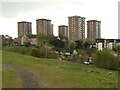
[[0, 67], [59, 74], [10, 79]]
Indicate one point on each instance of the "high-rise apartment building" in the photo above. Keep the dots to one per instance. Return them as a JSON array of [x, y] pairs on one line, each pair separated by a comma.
[[44, 26], [63, 30], [93, 30], [76, 28], [51, 29], [24, 28]]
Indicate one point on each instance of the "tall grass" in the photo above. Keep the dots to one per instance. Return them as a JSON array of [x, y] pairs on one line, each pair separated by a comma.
[[36, 52]]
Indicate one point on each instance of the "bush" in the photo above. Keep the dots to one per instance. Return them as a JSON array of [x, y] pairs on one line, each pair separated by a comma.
[[105, 59], [35, 52], [23, 50], [53, 55]]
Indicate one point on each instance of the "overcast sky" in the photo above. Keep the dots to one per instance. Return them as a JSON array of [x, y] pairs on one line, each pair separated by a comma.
[[58, 11]]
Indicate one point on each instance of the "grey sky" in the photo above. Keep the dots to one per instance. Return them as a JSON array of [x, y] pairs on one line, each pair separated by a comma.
[[58, 11], [119, 20], [11, 9]]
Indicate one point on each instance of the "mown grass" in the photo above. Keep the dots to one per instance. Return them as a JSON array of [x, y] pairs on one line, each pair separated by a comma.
[[64, 74]]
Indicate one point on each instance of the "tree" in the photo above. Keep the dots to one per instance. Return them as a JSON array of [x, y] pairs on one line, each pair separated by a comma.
[[82, 45], [117, 49], [26, 44], [41, 39], [49, 38], [86, 44], [62, 37], [72, 45], [105, 59], [79, 44], [58, 43]]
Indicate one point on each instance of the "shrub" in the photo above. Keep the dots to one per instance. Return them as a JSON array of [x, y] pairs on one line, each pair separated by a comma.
[[35, 52], [105, 59], [53, 55], [23, 50]]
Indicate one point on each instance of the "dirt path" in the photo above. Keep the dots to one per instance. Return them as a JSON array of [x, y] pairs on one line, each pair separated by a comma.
[[29, 79]]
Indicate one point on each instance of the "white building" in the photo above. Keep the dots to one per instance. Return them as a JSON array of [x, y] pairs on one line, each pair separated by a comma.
[[32, 39], [100, 46], [106, 43], [24, 39]]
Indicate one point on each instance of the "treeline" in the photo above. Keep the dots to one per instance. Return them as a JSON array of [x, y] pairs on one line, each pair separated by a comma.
[[105, 59], [61, 42]]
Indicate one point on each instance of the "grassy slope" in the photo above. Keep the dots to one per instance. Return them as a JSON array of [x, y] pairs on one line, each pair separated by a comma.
[[0, 67], [10, 79], [62, 73]]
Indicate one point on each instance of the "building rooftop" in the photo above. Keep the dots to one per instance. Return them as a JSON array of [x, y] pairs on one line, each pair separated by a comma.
[[107, 40], [62, 26], [32, 36], [24, 22], [93, 21], [43, 19], [75, 16]]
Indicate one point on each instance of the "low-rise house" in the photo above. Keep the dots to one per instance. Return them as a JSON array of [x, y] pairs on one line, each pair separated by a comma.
[[17, 41], [24, 39], [6, 40], [32, 39]]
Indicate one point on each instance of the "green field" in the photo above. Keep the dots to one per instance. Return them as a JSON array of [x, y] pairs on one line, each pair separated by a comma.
[[26, 71]]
